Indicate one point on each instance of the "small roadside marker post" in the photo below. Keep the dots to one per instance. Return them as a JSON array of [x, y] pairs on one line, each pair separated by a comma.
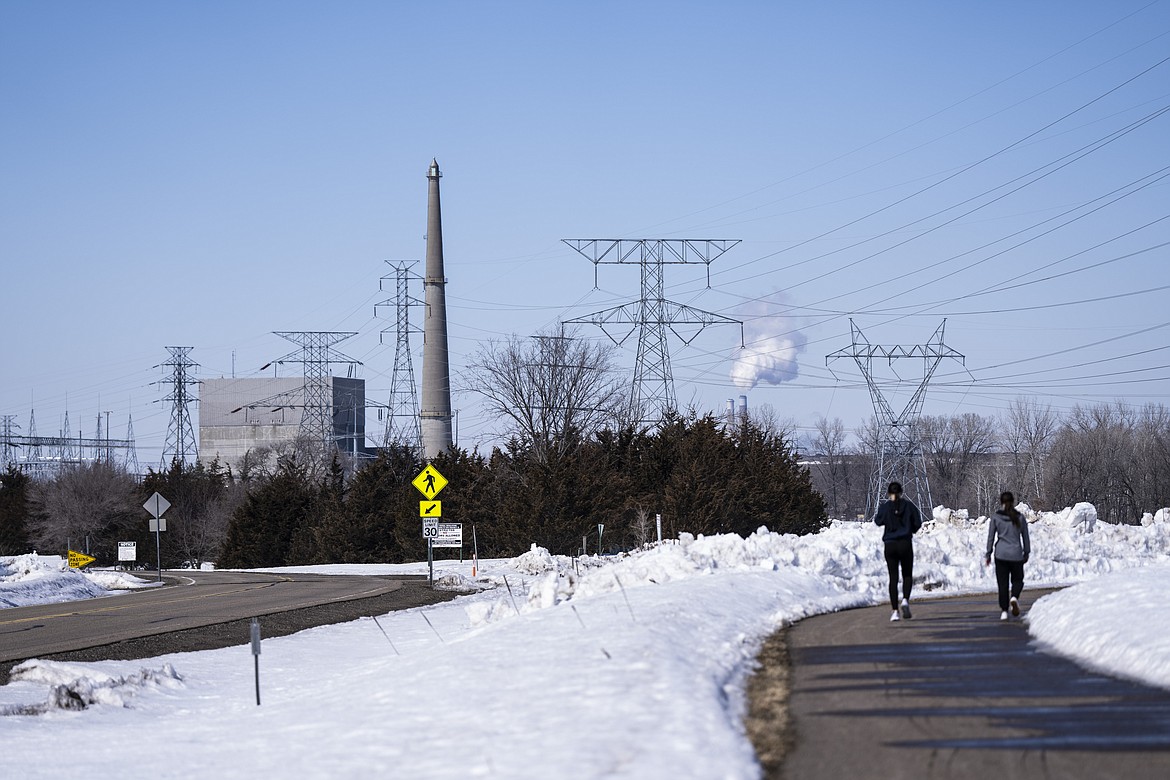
[[658, 522], [474, 552], [256, 655]]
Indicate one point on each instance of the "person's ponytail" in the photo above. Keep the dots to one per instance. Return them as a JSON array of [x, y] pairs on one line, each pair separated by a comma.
[[1009, 507]]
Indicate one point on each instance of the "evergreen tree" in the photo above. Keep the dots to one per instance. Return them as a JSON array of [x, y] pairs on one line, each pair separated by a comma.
[[262, 528], [14, 512]]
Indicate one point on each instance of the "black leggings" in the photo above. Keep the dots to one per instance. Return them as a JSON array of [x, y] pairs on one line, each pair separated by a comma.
[[900, 554], [1004, 570]]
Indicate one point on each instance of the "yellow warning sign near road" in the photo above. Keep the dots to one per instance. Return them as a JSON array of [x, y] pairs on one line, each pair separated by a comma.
[[429, 482], [430, 508], [77, 560]]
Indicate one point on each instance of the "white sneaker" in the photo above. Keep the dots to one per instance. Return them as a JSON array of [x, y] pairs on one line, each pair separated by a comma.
[[1015, 607], [905, 609], [1003, 616], [896, 616]]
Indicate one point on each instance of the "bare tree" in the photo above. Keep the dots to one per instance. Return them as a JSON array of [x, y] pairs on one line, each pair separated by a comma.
[[84, 506], [640, 524], [1027, 431], [833, 463], [553, 390], [952, 446]]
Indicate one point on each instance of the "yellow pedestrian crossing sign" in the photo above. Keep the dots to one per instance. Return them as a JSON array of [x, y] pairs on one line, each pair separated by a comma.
[[429, 482], [77, 560], [430, 508]]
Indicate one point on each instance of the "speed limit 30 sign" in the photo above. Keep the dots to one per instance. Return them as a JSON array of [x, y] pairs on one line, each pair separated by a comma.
[[430, 527]]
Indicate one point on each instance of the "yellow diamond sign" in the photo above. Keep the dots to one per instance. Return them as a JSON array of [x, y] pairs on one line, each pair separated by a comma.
[[77, 560], [429, 482]]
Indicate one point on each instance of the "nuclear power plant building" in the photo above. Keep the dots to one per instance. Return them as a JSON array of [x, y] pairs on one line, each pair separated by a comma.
[[237, 415]]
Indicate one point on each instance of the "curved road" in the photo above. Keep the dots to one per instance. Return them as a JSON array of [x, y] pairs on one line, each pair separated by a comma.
[[201, 599], [955, 693]]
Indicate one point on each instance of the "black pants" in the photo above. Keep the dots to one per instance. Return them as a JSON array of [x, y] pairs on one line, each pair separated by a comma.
[[900, 555], [1003, 571]]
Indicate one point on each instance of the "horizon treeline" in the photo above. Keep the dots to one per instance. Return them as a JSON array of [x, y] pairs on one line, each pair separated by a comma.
[[701, 475]]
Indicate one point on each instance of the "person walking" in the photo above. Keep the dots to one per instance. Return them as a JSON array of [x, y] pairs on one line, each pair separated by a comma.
[[901, 519], [1007, 537]]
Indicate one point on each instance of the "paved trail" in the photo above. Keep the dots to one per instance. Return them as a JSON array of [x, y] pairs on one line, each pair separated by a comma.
[[955, 693]]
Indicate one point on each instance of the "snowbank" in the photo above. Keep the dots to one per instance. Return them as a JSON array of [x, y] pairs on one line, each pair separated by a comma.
[[76, 686], [616, 666], [1116, 624], [46, 579]]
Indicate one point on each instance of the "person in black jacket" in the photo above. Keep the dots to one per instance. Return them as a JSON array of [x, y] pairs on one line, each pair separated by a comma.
[[901, 520]]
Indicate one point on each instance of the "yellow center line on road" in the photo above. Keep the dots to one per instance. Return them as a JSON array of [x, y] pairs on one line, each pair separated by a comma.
[[128, 604]]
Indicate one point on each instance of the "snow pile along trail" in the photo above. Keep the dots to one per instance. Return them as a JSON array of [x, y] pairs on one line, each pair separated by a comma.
[[621, 666], [1118, 624]]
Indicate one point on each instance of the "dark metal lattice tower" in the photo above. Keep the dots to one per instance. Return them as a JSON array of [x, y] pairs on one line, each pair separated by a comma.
[[34, 451], [652, 315], [898, 455], [402, 422], [181, 443], [316, 353], [66, 452], [132, 466], [8, 428]]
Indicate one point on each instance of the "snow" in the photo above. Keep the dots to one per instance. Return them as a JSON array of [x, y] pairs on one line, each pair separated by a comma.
[[1116, 624], [46, 579], [623, 666]]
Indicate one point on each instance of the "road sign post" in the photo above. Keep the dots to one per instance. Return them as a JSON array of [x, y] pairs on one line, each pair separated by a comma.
[[156, 505], [658, 522], [600, 531], [430, 483]]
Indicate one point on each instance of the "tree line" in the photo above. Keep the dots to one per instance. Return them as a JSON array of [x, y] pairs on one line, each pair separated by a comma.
[[1114, 456], [700, 474]]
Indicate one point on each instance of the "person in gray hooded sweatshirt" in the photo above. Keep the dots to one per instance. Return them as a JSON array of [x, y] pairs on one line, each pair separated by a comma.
[[1007, 537]]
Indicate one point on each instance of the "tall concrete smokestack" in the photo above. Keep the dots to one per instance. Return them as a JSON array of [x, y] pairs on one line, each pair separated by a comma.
[[435, 411]]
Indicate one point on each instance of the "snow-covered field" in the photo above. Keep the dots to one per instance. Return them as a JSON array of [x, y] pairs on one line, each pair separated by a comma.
[[628, 666]]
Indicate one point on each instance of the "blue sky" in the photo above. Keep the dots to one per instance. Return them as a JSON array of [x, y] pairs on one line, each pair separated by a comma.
[[203, 174]]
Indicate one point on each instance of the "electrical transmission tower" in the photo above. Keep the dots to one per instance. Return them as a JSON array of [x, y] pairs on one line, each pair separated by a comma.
[[132, 466], [898, 455], [316, 353], [8, 428], [181, 444], [652, 315], [402, 422]]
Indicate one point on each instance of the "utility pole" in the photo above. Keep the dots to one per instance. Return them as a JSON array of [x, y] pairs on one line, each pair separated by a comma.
[[402, 422], [181, 443], [652, 315], [316, 353], [898, 455]]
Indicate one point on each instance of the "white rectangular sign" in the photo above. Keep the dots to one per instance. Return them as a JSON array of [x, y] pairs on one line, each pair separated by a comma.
[[430, 527], [159, 524], [127, 551], [449, 535]]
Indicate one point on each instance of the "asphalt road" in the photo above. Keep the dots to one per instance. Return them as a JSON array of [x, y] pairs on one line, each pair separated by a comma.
[[955, 693], [200, 599]]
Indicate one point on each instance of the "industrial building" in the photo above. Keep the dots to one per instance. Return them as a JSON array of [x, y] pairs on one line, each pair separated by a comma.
[[237, 415]]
